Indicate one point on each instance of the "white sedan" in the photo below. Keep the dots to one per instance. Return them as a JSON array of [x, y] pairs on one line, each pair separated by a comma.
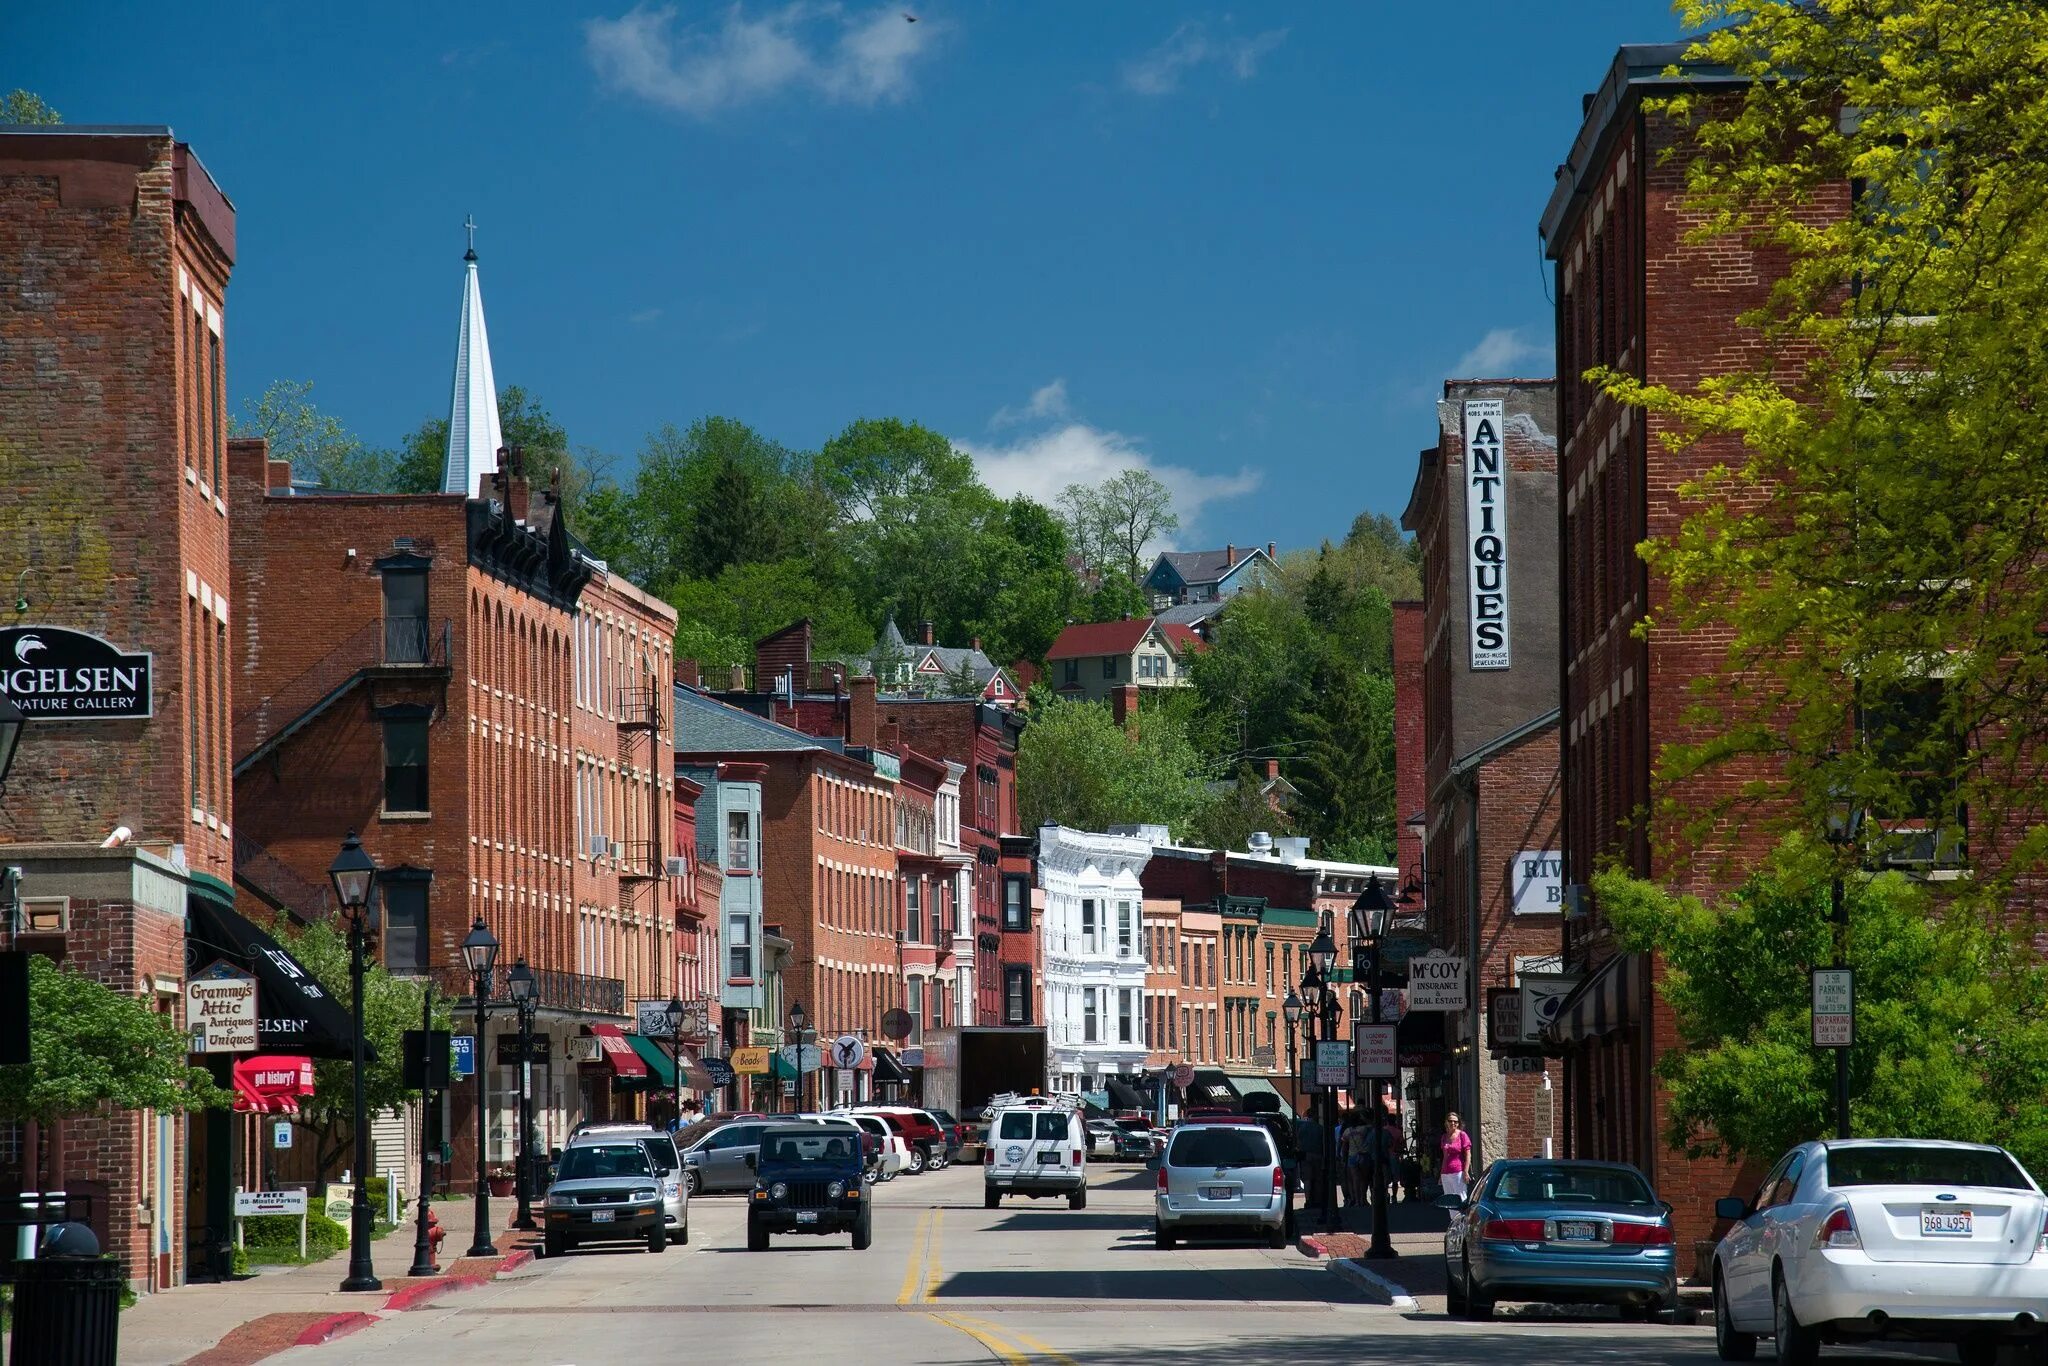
[[1860, 1239]]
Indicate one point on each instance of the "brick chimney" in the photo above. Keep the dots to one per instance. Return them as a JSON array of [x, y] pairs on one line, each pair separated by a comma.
[[1272, 550], [1123, 705], [1270, 768], [518, 497], [1229, 556], [973, 643], [1219, 869], [889, 736], [860, 710], [927, 632], [688, 674]]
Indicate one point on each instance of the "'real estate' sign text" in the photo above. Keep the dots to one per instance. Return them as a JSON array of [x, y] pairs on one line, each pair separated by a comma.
[[58, 674], [1486, 530]]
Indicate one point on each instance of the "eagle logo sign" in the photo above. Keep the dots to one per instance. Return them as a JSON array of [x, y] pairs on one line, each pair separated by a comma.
[[27, 646]]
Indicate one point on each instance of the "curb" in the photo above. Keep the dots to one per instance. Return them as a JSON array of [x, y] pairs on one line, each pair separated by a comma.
[[424, 1292], [514, 1260], [332, 1327], [1377, 1287]]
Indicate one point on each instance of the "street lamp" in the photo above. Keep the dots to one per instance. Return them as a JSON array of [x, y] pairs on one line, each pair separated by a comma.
[[1371, 916], [525, 989], [12, 721], [352, 872], [674, 1011], [1845, 831], [479, 953], [797, 1021]]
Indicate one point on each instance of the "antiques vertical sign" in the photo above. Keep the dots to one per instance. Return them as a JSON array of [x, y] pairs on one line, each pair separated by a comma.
[[1486, 530]]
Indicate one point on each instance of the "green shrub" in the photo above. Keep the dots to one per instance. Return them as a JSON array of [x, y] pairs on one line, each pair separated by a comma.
[[324, 1237]]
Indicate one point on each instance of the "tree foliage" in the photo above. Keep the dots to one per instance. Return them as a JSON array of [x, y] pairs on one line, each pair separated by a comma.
[[1872, 510], [92, 1046], [1113, 523], [25, 106], [1077, 767], [1951, 1017]]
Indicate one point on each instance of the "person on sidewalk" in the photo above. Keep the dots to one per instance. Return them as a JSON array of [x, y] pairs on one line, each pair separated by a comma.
[[1308, 1136], [1457, 1153]]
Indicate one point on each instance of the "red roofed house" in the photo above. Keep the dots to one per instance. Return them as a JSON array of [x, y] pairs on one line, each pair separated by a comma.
[[1091, 660]]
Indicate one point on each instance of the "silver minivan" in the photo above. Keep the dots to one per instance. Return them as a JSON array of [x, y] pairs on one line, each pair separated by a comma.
[[725, 1158], [668, 1169], [1036, 1150], [1220, 1176]]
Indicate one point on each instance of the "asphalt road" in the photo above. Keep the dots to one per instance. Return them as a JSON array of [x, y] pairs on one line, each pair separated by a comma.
[[950, 1282]]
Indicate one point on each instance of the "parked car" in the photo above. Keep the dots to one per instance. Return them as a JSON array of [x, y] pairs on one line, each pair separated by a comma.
[[722, 1159], [920, 1133], [603, 1192], [1854, 1240], [892, 1157], [958, 1135], [668, 1169], [1034, 1151], [1108, 1139], [1220, 1174], [809, 1182], [1565, 1232]]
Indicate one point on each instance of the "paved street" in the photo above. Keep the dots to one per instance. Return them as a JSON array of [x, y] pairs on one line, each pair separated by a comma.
[[948, 1281]]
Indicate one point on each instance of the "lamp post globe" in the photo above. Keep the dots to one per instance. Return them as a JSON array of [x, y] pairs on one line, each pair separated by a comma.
[[353, 873], [479, 955]]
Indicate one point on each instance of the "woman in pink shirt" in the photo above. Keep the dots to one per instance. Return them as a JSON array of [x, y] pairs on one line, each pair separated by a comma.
[[1457, 1151]]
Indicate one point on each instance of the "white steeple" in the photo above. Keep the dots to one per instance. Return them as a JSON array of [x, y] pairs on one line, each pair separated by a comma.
[[474, 434]]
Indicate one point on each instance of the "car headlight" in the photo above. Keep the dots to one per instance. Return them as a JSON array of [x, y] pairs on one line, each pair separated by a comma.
[[836, 1189], [560, 1201], [779, 1190], [646, 1195]]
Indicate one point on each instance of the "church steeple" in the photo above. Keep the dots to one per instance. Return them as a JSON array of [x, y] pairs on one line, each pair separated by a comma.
[[474, 433]]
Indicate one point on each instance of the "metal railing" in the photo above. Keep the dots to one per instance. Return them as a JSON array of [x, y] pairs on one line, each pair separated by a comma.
[[385, 643], [639, 708], [278, 883], [639, 861], [415, 640], [574, 992]]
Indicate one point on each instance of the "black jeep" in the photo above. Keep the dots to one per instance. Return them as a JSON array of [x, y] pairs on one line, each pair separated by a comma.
[[809, 1181]]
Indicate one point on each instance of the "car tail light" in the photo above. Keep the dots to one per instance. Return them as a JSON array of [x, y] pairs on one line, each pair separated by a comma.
[[1077, 1157], [1512, 1231], [1643, 1235], [988, 1157], [2042, 1246], [1162, 1178], [1838, 1230], [1279, 1179]]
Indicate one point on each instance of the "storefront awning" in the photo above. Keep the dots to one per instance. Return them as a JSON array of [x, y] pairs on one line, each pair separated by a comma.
[[780, 1067], [271, 1084], [295, 1014], [656, 1057], [1124, 1095], [614, 1052], [1603, 1003], [888, 1069]]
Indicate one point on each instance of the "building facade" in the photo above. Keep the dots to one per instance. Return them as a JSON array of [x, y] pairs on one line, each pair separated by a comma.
[[1093, 927], [1090, 661]]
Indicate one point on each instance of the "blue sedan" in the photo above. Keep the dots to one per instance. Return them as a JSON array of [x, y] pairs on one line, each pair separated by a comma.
[[1560, 1232]]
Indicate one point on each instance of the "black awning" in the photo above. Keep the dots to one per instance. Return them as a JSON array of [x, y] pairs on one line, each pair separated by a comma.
[[1125, 1096], [294, 1012], [888, 1070]]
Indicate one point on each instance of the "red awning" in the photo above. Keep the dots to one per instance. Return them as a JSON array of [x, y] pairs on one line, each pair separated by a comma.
[[271, 1083], [613, 1048]]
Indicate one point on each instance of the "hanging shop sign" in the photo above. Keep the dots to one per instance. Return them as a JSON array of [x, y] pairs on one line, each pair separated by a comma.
[[1537, 877], [58, 674], [220, 1007], [1486, 530], [1436, 981]]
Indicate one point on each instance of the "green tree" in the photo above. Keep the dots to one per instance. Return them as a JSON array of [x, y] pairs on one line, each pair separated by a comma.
[[960, 680], [423, 455], [1870, 497], [1951, 1017], [318, 446], [718, 620], [1235, 810], [1254, 677], [1076, 766], [1345, 767], [23, 106], [1113, 523], [91, 1046], [391, 1005]]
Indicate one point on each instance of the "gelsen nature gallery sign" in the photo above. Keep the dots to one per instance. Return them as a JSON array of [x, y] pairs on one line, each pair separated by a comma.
[[54, 673]]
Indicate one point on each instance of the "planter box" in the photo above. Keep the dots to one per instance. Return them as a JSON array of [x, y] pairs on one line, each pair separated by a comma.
[[502, 1186]]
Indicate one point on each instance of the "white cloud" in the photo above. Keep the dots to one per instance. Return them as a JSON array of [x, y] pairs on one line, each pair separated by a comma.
[[846, 56], [1159, 71], [645, 315], [1502, 354], [1048, 401]]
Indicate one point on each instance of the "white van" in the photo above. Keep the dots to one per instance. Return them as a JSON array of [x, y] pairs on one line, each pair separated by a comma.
[[1034, 1151]]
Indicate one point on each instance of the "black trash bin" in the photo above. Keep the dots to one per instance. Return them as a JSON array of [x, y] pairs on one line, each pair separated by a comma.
[[67, 1311]]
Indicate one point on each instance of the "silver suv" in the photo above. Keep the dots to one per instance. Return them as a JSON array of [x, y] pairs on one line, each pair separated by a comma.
[[661, 1155], [1221, 1176]]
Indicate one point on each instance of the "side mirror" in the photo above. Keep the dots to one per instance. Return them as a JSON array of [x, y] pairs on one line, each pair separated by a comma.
[[1731, 1207], [1450, 1202]]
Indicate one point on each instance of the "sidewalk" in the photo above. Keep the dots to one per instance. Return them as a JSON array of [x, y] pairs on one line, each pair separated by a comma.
[[1416, 1230], [239, 1322]]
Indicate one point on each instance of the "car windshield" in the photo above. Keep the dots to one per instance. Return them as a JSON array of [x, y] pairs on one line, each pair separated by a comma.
[[1572, 1186], [663, 1151], [1052, 1126], [822, 1146], [1929, 1166], [944, 1117], [600, 1160], [1220, 1147], [1015, 1124]]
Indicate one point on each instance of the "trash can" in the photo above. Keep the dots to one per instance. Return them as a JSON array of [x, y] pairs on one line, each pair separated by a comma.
[[67, 1303]]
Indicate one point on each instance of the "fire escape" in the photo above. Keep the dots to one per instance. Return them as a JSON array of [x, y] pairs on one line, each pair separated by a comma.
[[639, 727]]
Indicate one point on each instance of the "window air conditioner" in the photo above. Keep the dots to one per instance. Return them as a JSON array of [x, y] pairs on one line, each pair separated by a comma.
[[599, 846], [618, 850], [676, 865]]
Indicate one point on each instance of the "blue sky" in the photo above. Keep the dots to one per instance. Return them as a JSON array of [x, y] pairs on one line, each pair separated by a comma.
[[1241, 247]]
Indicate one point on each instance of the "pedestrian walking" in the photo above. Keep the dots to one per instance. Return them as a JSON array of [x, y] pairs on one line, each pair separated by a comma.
[[1308, 1136], [1457, 1154], [1357, 1156]]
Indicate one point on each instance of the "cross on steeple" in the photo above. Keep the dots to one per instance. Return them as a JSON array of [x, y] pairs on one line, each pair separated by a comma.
[[469, 226]]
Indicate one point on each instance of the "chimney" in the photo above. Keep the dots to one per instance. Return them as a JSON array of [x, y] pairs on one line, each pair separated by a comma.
[[1270, 768], [974, 642], [927, 632], [517, 497], [1219, 869], [688, 674], [860, 710], [1272, 550], [278, 478], [1229, 556], [1123, 705], [738, 681], [889, 736]]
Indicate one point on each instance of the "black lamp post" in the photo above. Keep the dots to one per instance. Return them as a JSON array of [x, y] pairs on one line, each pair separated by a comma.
[[352, 872], [674, 1011], [12, 721], [1371, 915], [1322, 954], [797, 1020], [525, 998], [423, 1242], [479, 954], [1845, 831]]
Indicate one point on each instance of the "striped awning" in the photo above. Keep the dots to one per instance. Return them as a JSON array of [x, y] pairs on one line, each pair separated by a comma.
[[1609, 999]]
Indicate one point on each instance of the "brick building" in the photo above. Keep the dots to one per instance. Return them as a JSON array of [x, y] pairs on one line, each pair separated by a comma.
[[1484, 512], [116, 248]]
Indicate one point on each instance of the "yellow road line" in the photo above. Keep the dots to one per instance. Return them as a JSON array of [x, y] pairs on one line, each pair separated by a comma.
[[1024, 1340], [995, 1344], [931, 1255], [913, 1275]]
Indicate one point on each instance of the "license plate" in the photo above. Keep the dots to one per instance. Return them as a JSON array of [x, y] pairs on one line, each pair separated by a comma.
[[1049, 1157], [807, 1216], [1577, 1231], [600, 1216], [1946, 1223], [1219, 1192]]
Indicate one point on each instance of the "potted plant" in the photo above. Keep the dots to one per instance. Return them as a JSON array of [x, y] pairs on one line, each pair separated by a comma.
[[500, 1178]]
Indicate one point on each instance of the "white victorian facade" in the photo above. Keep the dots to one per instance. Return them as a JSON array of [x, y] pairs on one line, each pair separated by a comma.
[[1094, 955]]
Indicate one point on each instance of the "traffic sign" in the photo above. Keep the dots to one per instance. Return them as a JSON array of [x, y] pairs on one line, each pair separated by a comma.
[[1834, 1007], [1333, 1062], [281, 1135], [1376, 1052], [1183, 1075], [848, 1052]]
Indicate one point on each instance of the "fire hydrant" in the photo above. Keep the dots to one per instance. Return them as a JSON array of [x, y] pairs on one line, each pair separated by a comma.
[[435, 1233]]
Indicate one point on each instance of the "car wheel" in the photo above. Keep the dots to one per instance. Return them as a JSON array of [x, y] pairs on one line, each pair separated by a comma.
[[554, 1244], [696, 1181], [1476, 1305], [683, 1234], [1161, 1238], [757, 1237], [1731, 1345], [657, 1238], [990, 1199], [916, 1161], [1079, 1199], [864, 1231], [1276, 1236], [1454, 1292], [1798, 1345]]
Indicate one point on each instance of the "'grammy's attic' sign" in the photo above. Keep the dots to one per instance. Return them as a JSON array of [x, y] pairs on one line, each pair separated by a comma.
[[1486, 530]]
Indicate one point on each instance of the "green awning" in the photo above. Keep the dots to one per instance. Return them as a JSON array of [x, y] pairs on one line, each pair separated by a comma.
[[781, 1067], [659, 1065]]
